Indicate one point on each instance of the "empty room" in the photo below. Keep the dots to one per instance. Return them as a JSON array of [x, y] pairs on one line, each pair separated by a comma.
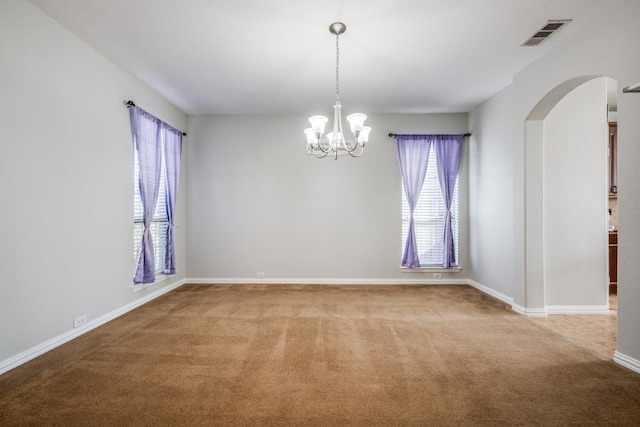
[[338, 213]]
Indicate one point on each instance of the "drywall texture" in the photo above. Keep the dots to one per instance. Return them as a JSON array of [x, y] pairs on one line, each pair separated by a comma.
[[257, 203], [66, 180], [491, 193], [575, 198]]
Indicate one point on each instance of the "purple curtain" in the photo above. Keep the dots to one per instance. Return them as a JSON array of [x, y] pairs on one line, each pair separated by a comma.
[[413, 153], [146, 138], [448, 150], [172, 151]]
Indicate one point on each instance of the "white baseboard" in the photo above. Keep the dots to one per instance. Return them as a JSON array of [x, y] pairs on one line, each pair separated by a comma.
[[32, 353], [300, 281], [529, 312], [626, 361], [578, 309], [561, 309], [492, 292]]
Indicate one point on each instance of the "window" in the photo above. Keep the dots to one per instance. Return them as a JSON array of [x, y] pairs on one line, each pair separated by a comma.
[[159, 223], [429, 218], [156, 159]]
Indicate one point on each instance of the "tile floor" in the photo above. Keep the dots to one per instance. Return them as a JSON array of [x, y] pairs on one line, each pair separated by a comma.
[[596, 332]]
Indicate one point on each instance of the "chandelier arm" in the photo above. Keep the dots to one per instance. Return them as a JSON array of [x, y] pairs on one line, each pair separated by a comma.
[[338, 134], [315, 154], [358, 154], [355, 146], [322, 149]]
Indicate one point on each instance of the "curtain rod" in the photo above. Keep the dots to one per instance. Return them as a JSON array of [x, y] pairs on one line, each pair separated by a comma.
[[130, 103], [393, 135]]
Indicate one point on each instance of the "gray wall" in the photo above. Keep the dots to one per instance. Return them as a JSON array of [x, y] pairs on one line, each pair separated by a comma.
[[258, 203], [66, 184], [491, 193]]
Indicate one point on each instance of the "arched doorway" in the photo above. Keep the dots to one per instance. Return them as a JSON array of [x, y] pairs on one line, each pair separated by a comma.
[[566, 199]]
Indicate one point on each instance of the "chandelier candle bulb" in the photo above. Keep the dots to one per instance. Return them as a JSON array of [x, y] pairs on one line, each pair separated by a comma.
[[336, 143]]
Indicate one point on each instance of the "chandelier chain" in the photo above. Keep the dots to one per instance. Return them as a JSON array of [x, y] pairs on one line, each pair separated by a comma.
[[337, 67]]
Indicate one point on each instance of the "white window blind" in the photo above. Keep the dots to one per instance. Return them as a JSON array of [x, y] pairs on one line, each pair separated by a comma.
[[160, 222], [429, 217]]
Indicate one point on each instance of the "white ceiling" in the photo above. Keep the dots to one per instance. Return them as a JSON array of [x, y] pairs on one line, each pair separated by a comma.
[[277, 56]]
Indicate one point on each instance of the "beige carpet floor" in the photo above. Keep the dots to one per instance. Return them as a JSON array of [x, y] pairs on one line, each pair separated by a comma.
[[210, 355]]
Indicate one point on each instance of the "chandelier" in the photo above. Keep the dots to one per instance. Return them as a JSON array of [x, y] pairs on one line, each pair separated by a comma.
[[335, 142]]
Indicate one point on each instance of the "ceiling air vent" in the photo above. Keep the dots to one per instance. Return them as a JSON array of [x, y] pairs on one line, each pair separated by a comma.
[[547, 30]]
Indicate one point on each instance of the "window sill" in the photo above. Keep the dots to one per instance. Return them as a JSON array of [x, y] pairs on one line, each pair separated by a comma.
[[159, 278], [435, 269]]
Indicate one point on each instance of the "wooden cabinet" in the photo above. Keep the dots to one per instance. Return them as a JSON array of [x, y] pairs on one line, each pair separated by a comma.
[[613, 193], [613, 262], [613, 159]]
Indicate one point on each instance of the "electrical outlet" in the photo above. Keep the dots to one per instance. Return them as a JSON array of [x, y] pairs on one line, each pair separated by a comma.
[[260, 275], [79, 321], [437, 275]]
